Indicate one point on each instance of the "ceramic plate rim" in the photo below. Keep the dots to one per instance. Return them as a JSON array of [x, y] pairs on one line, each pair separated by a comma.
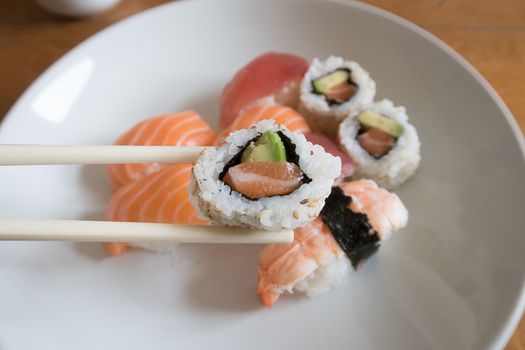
[[511, 323]]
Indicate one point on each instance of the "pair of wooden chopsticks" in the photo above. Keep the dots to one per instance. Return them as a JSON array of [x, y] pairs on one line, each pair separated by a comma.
[[106, 231]]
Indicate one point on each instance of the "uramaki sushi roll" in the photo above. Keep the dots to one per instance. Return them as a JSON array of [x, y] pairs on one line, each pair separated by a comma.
[[265, 177], [333, 89], [382, 143]]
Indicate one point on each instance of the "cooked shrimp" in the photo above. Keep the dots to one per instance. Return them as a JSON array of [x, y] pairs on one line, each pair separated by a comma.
[[283, 266], [384, 209]]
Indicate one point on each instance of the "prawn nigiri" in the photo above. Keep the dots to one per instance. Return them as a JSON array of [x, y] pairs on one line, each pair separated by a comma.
[[272, 75], [161, 197], [282, 115], [175, 129], [358, 215]]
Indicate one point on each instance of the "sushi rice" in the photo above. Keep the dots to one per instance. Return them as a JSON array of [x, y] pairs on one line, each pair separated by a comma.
[[329, 275]]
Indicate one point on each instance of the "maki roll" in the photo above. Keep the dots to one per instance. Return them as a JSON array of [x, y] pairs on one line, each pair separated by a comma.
[[333, 89], [357, 217], [382, 143], [265, 177]]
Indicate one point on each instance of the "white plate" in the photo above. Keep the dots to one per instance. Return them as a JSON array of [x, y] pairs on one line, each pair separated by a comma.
[[452, 280]]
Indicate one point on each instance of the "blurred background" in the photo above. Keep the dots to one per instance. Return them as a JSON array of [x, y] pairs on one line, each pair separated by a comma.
[[490, 34]]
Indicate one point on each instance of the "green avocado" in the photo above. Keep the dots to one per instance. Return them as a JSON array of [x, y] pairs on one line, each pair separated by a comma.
[[267, 148], [325, 82], [373, 120]]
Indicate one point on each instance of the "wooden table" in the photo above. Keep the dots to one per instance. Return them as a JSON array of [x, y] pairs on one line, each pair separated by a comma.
[[488, 33]]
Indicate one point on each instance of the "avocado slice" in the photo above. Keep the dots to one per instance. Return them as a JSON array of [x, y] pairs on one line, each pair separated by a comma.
[[267, 148], [373, 120], [325, 82]]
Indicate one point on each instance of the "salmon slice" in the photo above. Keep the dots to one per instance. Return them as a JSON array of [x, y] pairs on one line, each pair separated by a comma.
[[281, 114], [272, 73], [376, 142], [175, 129], [340, 93], [264, 179], [160, 197]]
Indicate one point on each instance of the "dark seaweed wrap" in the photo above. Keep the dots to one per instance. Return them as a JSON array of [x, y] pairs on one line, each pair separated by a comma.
[[352, 231]]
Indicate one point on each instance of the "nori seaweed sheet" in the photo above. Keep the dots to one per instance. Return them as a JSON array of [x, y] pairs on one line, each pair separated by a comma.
[[350, 81], [236, 159], [352, 231], [291, 155]]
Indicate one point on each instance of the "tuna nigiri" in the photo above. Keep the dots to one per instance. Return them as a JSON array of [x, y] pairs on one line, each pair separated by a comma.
[[174, 129], [273, 75], [356, 218], [160, 197], [282, 115]]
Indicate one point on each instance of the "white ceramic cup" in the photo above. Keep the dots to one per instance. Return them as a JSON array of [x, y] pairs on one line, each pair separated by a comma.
[[77, 8]]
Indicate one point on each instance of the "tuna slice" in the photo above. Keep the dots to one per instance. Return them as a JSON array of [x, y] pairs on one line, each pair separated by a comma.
[[271, 74]]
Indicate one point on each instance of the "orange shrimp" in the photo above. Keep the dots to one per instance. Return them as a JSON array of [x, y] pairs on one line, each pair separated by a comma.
[[384, 209], [160, 197], [283, 266], [281, 114], [175, 129]]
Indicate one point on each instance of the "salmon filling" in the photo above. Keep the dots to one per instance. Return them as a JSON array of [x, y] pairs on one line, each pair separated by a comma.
[[340, 93], [376, 142], [256, 180], [337, 87]]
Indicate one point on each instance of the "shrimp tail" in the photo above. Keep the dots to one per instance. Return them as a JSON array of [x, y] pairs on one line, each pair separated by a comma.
[[116, 248], [267, 290]]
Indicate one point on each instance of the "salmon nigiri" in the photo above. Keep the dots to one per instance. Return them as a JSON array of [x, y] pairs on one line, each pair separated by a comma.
[[160, 197], [357, 217], [283, 115], [271, 75], [175, 129]]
